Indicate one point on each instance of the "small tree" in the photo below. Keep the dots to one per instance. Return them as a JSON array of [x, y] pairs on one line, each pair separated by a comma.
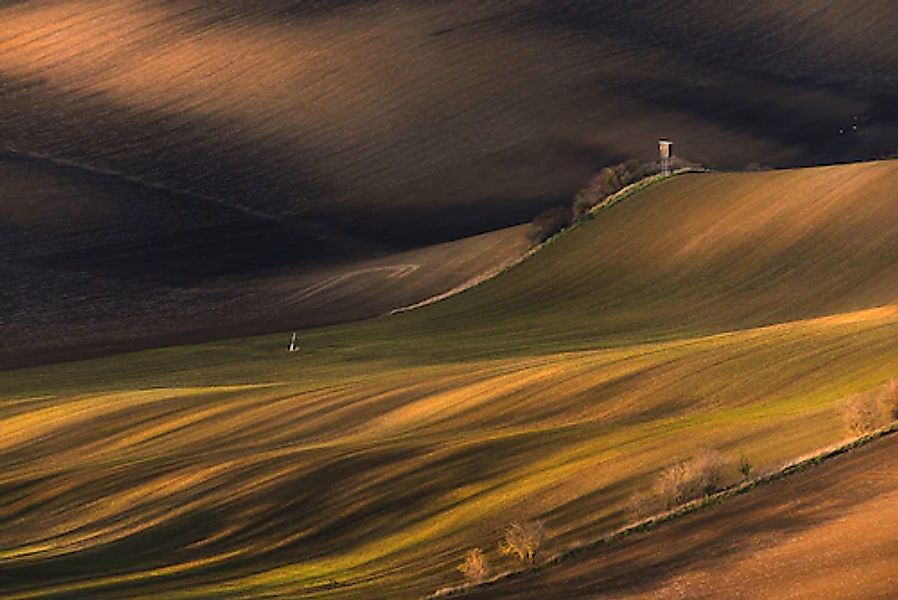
[[745, 467], [890, 399], [476, 567], [523, 540], [548, 223], [673, 486]]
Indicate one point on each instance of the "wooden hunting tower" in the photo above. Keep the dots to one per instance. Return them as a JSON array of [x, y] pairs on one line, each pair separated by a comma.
[[665, 149]]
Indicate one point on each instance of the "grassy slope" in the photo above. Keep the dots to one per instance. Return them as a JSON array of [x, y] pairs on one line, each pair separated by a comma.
[[722, 310]]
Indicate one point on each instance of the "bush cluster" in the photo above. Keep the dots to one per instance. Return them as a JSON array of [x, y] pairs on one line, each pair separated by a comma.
[[689, 480], [521, 540], [868, 411], [609, 181], [700, 476], [549, 222]]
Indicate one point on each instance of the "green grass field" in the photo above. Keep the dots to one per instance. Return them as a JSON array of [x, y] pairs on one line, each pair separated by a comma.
[[727, 311]]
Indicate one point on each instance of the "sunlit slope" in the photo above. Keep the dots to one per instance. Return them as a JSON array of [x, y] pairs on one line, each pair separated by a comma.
[[92, 263], [364, 466], [698, 254]]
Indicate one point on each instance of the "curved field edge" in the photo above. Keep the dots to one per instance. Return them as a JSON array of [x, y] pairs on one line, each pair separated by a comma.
[[373, 459], [512, 262]]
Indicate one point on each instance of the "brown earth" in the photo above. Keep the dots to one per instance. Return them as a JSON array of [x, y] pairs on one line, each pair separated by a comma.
[[420, 121]]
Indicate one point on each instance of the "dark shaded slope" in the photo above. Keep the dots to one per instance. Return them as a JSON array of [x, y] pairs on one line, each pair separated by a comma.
[[357, 113], [92, 263]]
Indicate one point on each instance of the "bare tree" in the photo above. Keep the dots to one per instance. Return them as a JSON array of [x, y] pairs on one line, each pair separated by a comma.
[[706, 470], [476, 567], [523, 540]]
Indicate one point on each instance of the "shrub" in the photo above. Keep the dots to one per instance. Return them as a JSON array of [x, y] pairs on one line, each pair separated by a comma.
[[548, 223], [609, 180], [867, 411], [745, 467], [706, 470], [582, 206], [523, 540], [476, 567], [863, 413], [673, 486], [890, 399], [688, 480]]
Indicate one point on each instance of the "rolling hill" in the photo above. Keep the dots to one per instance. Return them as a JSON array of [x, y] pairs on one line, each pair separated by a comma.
[[733, 311], [307, 137]]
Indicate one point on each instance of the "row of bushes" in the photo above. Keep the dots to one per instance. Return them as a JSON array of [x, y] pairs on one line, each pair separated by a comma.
[[704, 474], [609, 180]]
